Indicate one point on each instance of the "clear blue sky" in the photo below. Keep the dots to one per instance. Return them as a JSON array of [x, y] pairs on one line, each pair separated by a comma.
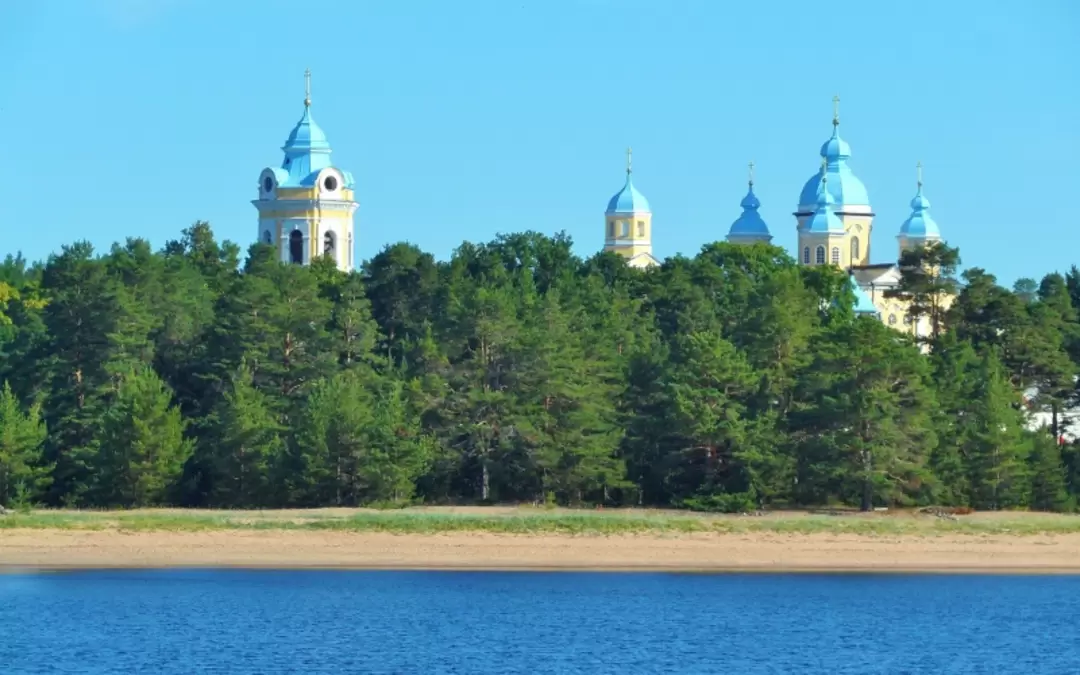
[[463, 119]]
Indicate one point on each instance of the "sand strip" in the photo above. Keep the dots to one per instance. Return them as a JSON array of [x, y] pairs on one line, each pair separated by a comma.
[[761, 552]]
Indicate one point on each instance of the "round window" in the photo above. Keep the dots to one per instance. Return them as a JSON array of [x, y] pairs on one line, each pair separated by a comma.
[[268, 184], [330, 183]]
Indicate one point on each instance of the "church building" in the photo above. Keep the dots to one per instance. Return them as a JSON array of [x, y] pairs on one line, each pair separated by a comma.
[[834, 221]]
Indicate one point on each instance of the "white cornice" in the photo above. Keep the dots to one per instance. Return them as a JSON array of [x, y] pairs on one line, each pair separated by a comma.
[[304, 204]]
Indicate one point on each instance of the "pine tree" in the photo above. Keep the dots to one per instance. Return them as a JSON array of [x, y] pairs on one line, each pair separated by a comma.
[[246, 446], [1048, 478], [23, 472], [927, 281], [957, 369], [357, 443], [354, 333], [80, 315], [566, 408], [863, 420], [142, 448], [992, 442], [708, 391]]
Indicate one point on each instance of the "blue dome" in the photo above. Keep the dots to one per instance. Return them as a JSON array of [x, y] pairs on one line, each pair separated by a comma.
[[920, 225], [307, 151], [307, 135], [628, 200], [750, 224], [835, 148], [845, 187], [824, 220], [863, 303]]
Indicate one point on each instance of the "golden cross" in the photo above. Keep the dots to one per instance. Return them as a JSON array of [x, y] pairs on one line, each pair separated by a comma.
[[629, 160], [307, 87], [836, 109], [751, 174], [918, 172]]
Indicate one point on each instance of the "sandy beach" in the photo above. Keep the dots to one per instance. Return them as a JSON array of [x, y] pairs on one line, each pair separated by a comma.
[[762, 552]]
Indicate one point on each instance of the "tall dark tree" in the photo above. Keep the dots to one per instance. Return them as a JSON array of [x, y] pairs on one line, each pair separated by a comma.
[[927, 283]]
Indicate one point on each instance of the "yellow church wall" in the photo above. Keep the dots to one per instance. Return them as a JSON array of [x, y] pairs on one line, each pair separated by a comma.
[[636, 245], [636, 221], [630, 251], [308, 213], [857, 226], [837, 241], [297, 193], [312, 193]]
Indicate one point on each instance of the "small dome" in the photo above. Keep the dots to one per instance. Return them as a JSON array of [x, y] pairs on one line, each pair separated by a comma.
[[824, 220], [836, 148], [749, 225], [628, 200], [863, 304], [920, 225], [306, 136], [845, 187], [307, 152]]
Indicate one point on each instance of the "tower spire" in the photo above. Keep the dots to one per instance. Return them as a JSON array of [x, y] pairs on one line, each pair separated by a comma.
[[836, 110], [918, 173], [307, 88], [824, 170], [751, 167], [629, 161]]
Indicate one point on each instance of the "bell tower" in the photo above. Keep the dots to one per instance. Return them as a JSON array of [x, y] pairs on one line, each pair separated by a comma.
[[306, 206]]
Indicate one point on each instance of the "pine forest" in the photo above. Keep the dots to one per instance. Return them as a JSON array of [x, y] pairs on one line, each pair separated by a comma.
[[202, 375]]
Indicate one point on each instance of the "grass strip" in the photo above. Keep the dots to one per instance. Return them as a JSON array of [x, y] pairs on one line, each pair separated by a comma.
[[527, 521]]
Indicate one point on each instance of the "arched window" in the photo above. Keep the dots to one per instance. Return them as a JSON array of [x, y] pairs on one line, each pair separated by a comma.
[[892, 319], [819, 255], [836, 255], [641, 228], [611, 229], [806, 255], [296, 247], [267, 238], [624, 228], [854, 250], [330, 245], [907, 320]]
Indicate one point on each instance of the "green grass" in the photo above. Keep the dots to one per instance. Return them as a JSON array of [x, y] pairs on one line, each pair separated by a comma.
[[538, 521]]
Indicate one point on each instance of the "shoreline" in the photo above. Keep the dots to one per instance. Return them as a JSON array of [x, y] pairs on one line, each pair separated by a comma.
[[57, 550]]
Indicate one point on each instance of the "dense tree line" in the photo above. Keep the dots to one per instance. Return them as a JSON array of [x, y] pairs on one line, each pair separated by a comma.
[[517, 371]]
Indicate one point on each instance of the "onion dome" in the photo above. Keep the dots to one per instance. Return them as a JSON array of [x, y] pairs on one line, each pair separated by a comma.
[[846, 189], [628, 200], [749, 227], [920, 225], [824, 219]]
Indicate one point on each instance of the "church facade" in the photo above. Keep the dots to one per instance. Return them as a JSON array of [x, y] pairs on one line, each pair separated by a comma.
[[834, 220]]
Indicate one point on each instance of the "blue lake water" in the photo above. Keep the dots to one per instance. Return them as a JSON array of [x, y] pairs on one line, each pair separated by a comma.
[[242, 622]]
